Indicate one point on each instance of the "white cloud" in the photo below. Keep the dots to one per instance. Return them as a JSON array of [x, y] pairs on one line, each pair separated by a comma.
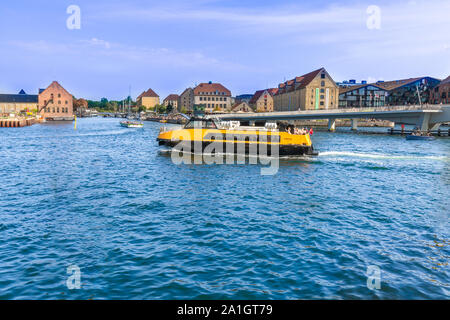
[[119, 53], [97, 42]]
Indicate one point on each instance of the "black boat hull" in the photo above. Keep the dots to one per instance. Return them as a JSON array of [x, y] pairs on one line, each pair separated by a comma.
[[240, 148]]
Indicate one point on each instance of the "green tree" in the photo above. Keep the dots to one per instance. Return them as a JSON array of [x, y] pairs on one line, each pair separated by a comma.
[[160, 108]]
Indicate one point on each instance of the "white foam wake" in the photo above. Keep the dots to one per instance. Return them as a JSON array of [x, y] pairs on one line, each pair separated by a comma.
[[380, 156]]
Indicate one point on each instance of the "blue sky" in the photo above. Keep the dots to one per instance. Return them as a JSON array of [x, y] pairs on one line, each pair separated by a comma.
[[246, 45]]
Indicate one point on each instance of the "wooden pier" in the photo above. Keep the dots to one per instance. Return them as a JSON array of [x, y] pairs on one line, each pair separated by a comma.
[[17, 123], [438, 132]]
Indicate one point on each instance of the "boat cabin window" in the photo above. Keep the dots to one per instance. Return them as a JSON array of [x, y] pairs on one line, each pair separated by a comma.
[[203, 124]]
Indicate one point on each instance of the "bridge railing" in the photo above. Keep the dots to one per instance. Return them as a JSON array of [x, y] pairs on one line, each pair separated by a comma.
[[392, 108], [374, 109]]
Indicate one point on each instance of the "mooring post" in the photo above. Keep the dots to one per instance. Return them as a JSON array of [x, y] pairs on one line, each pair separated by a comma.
[[331, 124], [354, 124]]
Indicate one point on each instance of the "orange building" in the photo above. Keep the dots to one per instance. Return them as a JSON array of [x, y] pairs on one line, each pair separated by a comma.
[[55, 103]]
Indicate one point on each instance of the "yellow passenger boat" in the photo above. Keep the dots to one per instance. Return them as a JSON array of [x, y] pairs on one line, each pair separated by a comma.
[[204, 135]]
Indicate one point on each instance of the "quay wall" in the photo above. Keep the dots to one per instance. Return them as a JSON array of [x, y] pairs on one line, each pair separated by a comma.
[[17, 123]]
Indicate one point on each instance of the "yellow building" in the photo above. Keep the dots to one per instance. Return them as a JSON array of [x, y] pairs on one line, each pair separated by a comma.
[[312, 91], [241, 106], [172, 100], [262, 100], [14, 103], [148, 99]]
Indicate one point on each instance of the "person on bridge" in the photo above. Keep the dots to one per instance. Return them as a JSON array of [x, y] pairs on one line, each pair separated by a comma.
[[311, 131]]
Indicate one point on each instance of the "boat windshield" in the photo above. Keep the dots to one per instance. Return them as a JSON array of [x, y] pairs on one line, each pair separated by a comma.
[[201, 124]]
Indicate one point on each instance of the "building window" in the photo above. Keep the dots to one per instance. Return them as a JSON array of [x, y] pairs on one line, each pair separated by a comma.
[[67, 102], [59, 101], [322, 90], [59, 95], [321, 103], [322, 83], [322, 75], [57, 110]]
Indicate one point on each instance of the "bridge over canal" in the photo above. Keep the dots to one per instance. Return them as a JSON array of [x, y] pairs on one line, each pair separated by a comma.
[[426, 117]]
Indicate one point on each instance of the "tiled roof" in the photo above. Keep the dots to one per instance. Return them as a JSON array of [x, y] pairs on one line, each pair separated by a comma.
[[148, 93], [171, 97], [445, 81], [53, 85], [211, 88], [298, 82], [236, 106], [186, 90], [273, 91], [19, 98], [258, 94], [390, 85]]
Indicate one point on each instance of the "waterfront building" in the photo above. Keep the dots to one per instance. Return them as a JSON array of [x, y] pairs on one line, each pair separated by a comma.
[[407, 91], [212, 97], [350, 83], [312, 91], [55, 103], [241, 106], [186, 101], [13, 103], [388, 93], [362, 96], [262, 100], [171, 100], [148, 99], [243, 97], [441, 93]]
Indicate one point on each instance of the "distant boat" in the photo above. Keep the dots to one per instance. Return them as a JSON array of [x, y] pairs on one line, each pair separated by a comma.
[[416, 137], [131, 124]]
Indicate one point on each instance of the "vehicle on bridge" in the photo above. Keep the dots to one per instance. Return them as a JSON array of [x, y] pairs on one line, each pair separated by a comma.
[[210, 135]]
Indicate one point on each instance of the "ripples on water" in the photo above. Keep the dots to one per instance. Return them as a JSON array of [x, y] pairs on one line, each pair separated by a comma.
[[140, 227]]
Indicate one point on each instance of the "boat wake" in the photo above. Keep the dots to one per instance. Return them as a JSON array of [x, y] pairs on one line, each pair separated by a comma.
[[377, 156]]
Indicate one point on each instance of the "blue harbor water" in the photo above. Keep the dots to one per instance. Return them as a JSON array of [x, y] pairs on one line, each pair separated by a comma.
[[140, 227]]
